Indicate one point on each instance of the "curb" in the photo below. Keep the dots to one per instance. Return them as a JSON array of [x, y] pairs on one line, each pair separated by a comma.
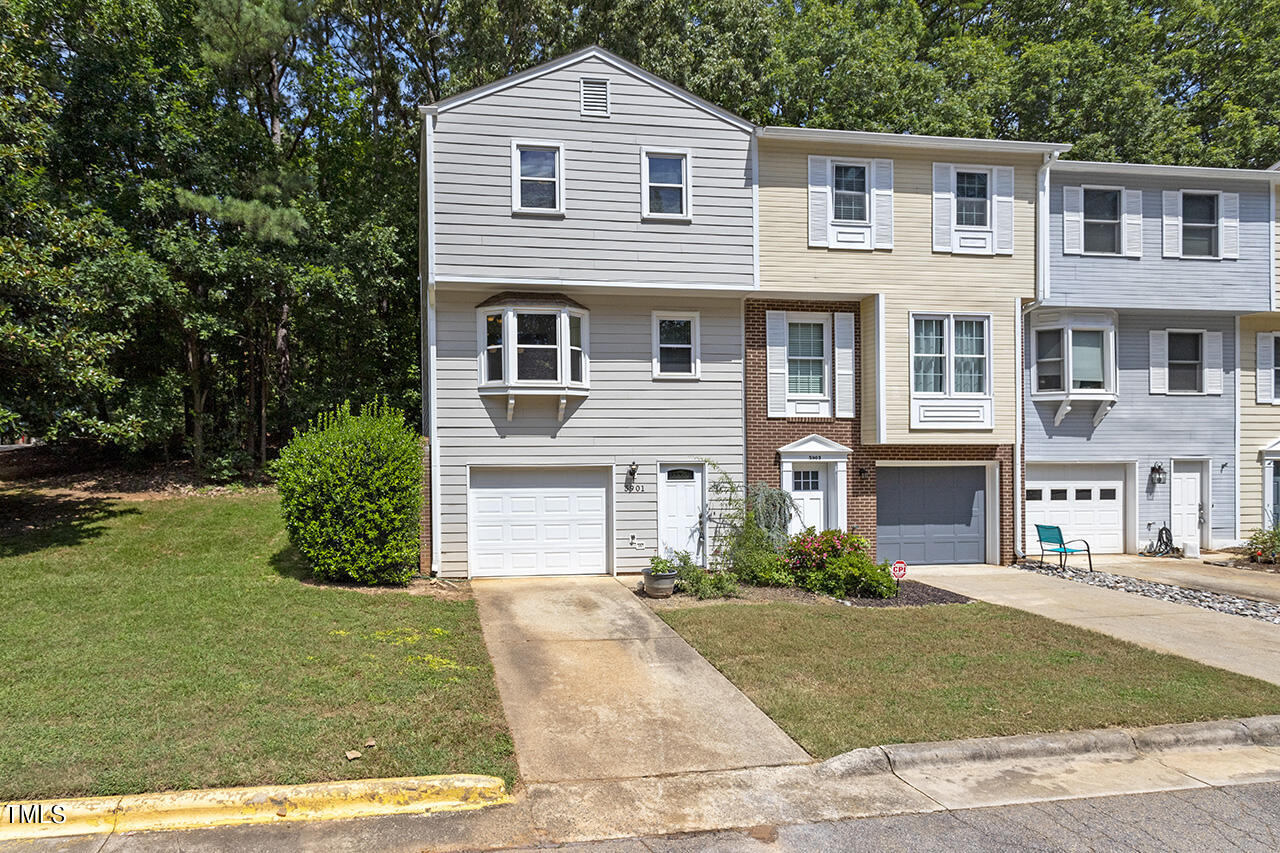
[[264, 804]]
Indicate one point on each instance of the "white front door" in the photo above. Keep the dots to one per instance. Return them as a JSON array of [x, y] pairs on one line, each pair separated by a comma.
[[680, 510], [1185, 512], [809, 490]]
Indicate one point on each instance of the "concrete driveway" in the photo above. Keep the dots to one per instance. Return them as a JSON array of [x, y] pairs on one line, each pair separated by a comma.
[[595, 686]]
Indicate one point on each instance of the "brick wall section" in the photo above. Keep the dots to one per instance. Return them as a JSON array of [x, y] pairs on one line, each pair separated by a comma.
[[765, 434], [424, 536]]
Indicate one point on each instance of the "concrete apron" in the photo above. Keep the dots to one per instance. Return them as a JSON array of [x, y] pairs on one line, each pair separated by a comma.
[[596, 687]]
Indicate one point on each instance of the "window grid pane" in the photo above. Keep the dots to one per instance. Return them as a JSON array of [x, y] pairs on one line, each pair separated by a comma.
[[675, 359], [805, 340], [804, 376], [1049, 360], [1086, 359], [971, 199], [805, 481], [675, 332]]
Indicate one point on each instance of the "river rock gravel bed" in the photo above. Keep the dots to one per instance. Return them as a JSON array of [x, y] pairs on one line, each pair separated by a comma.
[[1236, 606]]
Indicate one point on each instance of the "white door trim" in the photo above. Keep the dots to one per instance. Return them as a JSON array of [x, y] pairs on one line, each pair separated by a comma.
[[991, 486], [701, 467]]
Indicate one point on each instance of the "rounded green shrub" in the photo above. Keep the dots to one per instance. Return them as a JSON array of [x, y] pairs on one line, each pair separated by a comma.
[[351, 492]]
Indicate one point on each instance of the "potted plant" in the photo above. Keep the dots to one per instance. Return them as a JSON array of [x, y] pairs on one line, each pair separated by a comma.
[[659, 578]]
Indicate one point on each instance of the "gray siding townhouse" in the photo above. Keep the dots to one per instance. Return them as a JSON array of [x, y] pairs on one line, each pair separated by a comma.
[[588, 236], [1131, 369]]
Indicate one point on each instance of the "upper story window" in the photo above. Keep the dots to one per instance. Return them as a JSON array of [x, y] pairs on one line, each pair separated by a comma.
[[676, 345], [807, 359], [540, 342], [1073, 358], [1267, 368], [809, 364], [537, 177], [1200, 225], [850, 203], [950, 355], [1186, 361], [849, 196], [1102, 221], [972, 199], [665, 184]]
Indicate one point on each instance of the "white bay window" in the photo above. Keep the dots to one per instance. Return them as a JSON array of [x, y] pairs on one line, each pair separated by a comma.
[[1072, 360], [536, 347]]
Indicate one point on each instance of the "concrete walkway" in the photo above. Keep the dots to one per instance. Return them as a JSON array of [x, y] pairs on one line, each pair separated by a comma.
[[597, 687], [1193, 574], [1236, 643]]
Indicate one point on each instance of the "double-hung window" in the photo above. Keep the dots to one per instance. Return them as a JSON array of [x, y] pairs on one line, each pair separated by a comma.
[[849, 192], [675, 345], [1200, 225], [533, 346], [950, 355], [665, 184], [973, 197], [1102, 221], [807, 358], [1072, 360], [537, 177], [1186, 362]]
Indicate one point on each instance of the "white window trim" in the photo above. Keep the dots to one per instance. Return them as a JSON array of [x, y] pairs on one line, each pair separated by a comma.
[[1182, 228], [516, 208], [695, 338], [827, 347], [509, 383], [948, 352], [1067, 326], [687, 196], [867, 192], [1203, 365], [990, 172], [1084, 221]]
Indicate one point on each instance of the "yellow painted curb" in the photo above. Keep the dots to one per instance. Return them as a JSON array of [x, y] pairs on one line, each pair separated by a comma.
[[266, 804]]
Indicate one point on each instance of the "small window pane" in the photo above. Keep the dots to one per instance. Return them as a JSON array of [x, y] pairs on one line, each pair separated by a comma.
[[675, 331], [1086, 359], [1049, 376], [575, 331], [675, 359], [805, 481], [1200, 242], [493, 330], [851, 179], [575, 365], [666, 169], [537, 329], [538, 194], [1101, 204], [1184, 377], [1084, 494], [1035, 494], [971, 199], [1049, 360], [493, 364], [970, 337], [928, 337], [971, 185], [680, 475], [537, 163], [804, 376], [1057, 494], [804, 340], [927, 375], [1106, 494], [537, 364], [971, 375], [1199, 209], [1102, 237], [1184, 346], [851, 208], [666, 200], [1049, 344]]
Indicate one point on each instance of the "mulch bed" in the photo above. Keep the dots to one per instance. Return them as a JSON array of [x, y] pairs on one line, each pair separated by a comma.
[[910, 594]]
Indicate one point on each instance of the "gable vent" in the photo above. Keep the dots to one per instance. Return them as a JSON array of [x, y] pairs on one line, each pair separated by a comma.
[[595, 96]]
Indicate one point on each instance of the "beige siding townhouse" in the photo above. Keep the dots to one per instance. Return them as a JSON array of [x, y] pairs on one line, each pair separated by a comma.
[[1259, 423]]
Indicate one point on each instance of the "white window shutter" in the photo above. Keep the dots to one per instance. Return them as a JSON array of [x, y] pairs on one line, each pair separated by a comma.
[[1072, 220], [1158, 367], [1213, 362], [819, 201], [1003, 205], [1230, 225], [775, 325], [1171, 208], [1131, 226], [1266, 378], [844, 385], [943, 201], [883, 204]]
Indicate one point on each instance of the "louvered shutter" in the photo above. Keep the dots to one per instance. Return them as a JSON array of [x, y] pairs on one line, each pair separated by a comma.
[[943, 201], [1171, 210], [1231, 225], [883, 203], [1131, 226], [844, 384], [776, 362], [1266, 377], [1072, 220], [819, 202], [1003, 203], [1213, 362], [1158, 362]]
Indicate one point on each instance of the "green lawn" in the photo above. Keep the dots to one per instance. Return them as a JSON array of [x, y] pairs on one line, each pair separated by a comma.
[[170, 644], [838, 678]]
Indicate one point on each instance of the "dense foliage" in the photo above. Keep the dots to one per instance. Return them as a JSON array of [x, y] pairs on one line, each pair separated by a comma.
[[351, 494], [208, 207]]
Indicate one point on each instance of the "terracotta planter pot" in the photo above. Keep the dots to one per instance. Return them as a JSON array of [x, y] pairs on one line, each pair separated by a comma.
[[659, 586]]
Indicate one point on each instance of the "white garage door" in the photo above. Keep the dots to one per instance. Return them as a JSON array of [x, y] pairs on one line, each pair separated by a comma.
[[539, 521], [1086, 501]]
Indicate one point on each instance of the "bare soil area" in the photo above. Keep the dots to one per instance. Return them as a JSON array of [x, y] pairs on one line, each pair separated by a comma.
[[910, 594]]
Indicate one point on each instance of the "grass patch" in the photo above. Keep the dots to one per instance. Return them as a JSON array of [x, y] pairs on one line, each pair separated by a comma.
[[171, 644], [837, 679]]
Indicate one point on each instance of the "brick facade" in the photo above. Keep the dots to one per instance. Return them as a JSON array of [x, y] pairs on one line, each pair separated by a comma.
[[765, 434]]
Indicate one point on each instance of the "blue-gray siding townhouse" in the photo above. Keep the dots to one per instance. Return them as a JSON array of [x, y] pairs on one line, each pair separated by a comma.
[[1131, 365]]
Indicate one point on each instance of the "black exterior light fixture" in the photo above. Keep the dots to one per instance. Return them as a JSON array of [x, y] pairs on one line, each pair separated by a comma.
[[1158, 475], [631, 472]]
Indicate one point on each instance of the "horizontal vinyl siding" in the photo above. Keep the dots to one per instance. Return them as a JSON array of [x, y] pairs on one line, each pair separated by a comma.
[[1259, 424], [1145, 427], [601, 237], [627, 416], [1113, 282]]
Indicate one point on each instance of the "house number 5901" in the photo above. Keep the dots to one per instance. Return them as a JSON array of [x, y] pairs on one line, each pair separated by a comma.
[[634, 487]]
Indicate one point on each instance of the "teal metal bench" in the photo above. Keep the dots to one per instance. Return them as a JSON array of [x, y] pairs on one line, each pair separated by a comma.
[[1051, 541]]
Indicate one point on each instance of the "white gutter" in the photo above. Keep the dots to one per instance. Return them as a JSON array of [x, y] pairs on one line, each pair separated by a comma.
[[427, 295], [1153, 169], [909, 140]]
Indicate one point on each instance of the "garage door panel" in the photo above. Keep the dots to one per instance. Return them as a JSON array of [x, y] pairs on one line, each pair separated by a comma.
[[931, 515], [538, 521], [1085, 500]]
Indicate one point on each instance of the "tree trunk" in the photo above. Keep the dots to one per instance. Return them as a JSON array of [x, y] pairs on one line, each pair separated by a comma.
[[277, 125]]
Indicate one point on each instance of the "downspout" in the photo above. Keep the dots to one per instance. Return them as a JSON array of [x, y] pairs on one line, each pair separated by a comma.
[[427, 297], [1042, 292]]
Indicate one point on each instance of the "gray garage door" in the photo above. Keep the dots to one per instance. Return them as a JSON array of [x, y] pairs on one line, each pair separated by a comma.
[[931, 515]]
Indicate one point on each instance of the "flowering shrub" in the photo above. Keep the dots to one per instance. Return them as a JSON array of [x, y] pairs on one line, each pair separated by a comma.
[[808, 553]]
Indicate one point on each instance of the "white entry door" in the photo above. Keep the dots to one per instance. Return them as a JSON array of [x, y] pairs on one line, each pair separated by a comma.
[[809, 490], [1184, 522], [680, 510]]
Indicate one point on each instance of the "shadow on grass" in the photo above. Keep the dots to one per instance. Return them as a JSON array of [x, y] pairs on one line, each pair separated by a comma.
[[288, 563], [33, 521]]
